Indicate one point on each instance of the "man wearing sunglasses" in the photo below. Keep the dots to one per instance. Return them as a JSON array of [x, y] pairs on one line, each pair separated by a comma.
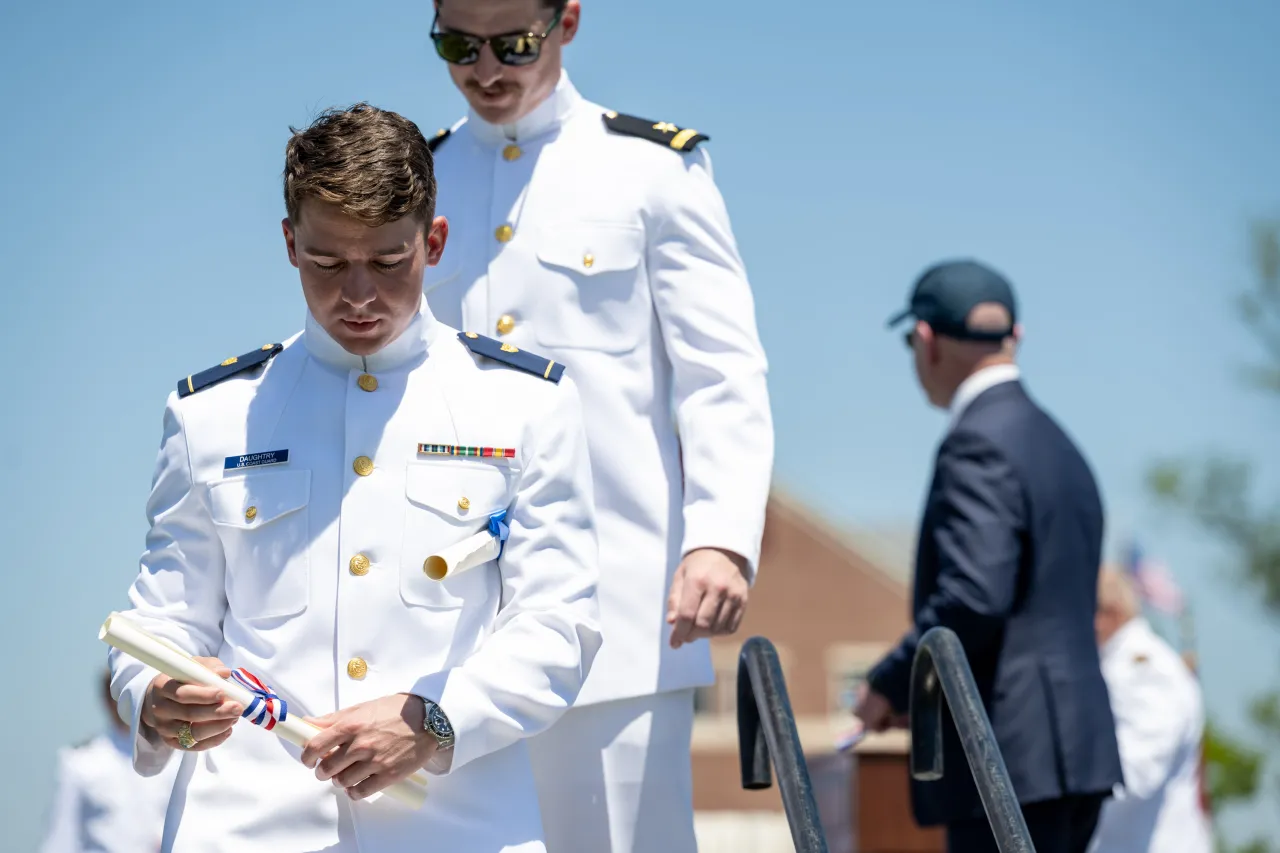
[[601, 240]]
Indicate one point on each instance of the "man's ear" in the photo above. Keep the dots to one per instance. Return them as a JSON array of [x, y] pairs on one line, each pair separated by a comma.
[[289, 240], [569, 21], [437, 236]]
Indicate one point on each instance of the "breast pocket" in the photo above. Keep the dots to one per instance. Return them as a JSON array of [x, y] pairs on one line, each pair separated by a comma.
[[449, 500], [594, 277], [262, 521]]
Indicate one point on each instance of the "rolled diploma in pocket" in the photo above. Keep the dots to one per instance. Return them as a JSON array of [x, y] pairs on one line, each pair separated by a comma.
[[124, 635], [470, 552]]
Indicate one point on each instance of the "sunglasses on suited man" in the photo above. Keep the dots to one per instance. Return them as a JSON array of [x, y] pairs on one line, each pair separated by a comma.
[[522, 48]]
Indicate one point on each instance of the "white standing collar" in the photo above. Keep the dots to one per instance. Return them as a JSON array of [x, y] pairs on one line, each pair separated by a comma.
[[412, 343], [545, 117]]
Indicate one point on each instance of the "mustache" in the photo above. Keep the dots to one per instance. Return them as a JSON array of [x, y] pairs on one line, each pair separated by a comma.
[[501, 87]]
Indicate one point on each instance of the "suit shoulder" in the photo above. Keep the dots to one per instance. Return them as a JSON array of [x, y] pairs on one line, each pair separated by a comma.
[[512, 356], [664, 133], [235, 365]]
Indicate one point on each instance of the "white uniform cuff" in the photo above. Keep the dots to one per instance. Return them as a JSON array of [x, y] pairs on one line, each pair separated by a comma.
[[710, 534], [150, 753], [463, 703]]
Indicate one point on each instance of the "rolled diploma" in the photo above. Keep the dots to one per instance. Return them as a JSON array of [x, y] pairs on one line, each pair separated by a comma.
[[470, 552], [124, 635]]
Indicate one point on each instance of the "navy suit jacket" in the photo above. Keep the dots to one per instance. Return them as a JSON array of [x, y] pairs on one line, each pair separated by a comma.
[[1008, 558]]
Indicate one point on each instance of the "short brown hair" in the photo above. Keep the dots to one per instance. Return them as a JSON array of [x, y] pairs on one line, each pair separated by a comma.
[[373, 164]]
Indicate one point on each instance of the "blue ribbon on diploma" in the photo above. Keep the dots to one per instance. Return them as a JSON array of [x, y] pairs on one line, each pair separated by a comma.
[[498, 527]]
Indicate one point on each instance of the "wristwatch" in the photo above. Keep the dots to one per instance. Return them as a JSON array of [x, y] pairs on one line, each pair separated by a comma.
[[435, 722]]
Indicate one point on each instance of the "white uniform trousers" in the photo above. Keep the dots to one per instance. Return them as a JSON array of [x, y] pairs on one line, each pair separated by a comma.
[[617, 777]]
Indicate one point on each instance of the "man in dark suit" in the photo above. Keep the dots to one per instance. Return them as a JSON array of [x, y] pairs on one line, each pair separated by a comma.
[[1008, 556]]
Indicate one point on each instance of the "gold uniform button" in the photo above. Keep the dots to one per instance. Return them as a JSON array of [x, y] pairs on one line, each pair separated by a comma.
[[505, 324], [464, 503], [511, 152], [357, 668], [251, 513], [363, 466], [504, 233], [367, 382], [588, 261], [359, 565]]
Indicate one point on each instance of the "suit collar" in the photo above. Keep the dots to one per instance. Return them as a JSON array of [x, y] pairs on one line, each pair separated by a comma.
[[978, 384]]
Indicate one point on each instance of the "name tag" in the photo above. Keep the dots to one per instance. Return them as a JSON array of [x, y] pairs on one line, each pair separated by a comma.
[[252, 460]]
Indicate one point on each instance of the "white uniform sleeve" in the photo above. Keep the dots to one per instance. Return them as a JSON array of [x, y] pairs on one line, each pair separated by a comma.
[[1150, 723], [529, 670], [707, 316], [179, 593], [65, 816]]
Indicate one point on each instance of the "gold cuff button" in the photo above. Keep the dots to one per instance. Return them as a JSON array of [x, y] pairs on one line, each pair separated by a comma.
[[464, 503], [251, 513], [363, 466], [359, 565], [511, 152], [367, 382], [504, 233], [588, 261], [357, 668], [505, 324]]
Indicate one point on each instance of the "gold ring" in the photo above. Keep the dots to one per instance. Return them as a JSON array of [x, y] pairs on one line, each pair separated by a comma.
[[185, 737]]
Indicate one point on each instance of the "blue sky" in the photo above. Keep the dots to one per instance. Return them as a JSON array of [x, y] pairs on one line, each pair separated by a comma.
[[1108, 157]]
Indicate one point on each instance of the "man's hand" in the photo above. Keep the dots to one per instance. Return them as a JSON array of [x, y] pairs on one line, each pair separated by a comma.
[[708, 595], [874, 711], [169, 703], [370, 746]]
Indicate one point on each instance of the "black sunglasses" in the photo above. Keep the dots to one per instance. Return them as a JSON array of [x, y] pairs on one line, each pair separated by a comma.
[[510, 49]]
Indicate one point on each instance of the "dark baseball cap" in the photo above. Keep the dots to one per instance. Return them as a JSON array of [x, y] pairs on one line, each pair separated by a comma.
[[945, 294]]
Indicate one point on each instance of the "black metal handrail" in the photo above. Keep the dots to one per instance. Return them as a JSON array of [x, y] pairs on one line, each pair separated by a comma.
[[767, 729], [941, 678]]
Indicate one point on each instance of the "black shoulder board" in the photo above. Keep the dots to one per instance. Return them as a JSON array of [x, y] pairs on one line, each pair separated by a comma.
[[198, 381], [434, 142], [662, 132], [508, 354]]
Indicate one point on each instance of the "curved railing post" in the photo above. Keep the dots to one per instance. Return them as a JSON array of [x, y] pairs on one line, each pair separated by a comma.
[[941, 679], [767, 730]]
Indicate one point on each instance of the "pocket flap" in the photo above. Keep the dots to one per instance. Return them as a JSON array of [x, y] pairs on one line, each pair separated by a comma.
[[252, 500], [460, 491], [592, 249]]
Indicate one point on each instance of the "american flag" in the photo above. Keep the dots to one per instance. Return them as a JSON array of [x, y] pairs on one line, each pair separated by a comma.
[[1154, 582]]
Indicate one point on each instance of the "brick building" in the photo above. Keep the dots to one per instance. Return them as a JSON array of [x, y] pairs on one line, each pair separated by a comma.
[[832, 602]]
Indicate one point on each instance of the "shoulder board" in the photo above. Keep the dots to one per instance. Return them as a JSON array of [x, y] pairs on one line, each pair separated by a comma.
[[508, 354], [205, 378], [434, 142], [662, 132]]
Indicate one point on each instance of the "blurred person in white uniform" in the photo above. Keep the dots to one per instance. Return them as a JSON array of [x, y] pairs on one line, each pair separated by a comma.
[[300, 492], [601, 239], [102, 805], [1159, 713]]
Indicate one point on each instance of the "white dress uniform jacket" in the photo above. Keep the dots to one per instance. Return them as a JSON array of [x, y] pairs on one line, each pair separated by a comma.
[[309, 574], [102, 805], [1159, 725], [614, 255]]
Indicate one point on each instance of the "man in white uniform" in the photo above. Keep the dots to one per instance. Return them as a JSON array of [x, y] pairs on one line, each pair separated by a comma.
[[101, 804], [602, 240], [301, 489], [1159, 715]]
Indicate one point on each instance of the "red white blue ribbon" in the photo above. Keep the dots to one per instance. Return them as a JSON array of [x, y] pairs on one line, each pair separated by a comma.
[[267, 708]]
